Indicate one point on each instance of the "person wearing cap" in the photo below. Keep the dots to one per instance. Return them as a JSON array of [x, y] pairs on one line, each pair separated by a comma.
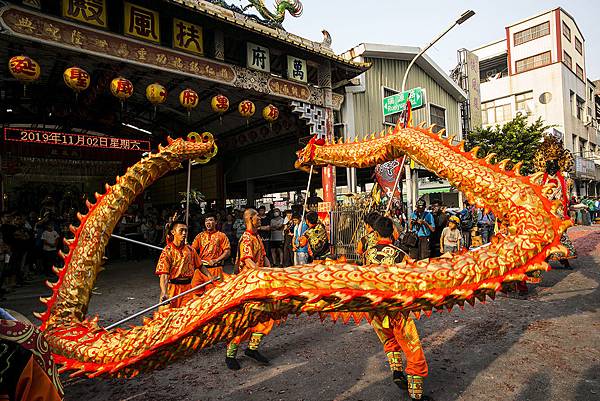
[[421, 222], [451, 237]]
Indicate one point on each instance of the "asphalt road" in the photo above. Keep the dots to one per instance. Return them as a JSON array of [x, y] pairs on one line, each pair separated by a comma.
[[544, 348]]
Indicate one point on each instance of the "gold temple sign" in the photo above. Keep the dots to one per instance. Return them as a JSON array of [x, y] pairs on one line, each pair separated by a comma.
[[141, 23], [91, 12], [187, 36]]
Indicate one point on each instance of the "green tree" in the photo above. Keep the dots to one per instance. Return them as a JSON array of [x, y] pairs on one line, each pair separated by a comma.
[[516, 140]]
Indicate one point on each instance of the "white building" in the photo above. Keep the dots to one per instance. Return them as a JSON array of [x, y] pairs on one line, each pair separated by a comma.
[[539, 69]]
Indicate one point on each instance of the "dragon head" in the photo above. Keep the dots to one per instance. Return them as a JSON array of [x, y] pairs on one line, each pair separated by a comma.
[[197, 147]]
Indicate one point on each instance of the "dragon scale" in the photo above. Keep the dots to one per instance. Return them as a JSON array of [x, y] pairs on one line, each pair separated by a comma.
[[331, 289]]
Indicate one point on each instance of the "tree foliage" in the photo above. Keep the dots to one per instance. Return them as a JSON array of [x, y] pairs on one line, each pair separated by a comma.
[[516, 140]]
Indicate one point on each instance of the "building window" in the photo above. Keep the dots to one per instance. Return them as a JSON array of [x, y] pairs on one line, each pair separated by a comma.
[[580, 106], [566, 31], [578, 45], [492, 113], [567, 60], [532, 33], [579, 71], [529, 63], [522, 100], [437, 116]]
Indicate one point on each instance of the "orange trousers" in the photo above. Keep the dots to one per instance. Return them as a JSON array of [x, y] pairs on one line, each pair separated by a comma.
[[261, 328], [401, 336], [176, 289]]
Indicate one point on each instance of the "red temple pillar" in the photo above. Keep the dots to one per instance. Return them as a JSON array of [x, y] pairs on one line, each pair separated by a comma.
[[328, 173]]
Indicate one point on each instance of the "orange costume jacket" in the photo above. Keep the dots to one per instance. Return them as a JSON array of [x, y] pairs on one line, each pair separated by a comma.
[[181, 264], [209, 247]]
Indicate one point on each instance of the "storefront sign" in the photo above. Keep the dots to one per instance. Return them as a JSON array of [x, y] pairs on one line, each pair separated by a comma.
[[585, 168], [474, 90], [141, 23], [258, 57], [79, 140], [91, 12], [187, 36], [297, 69]]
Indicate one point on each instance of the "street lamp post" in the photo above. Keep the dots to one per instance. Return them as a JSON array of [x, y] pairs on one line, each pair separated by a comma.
[[462, 18]]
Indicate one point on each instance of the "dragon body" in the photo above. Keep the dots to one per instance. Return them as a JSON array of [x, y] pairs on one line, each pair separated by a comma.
[[294, 7], [330, 289]]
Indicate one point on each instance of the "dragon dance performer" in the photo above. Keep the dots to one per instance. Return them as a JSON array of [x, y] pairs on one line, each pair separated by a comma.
[[213, 248], [251, 255], [397, 334], [177, 265], [368, 240], [27, 370], [555, 161], [315, 237]]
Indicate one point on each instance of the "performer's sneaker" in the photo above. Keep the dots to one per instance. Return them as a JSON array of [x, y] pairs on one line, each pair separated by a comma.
[[400, 379], [257, 356], [232, 363]]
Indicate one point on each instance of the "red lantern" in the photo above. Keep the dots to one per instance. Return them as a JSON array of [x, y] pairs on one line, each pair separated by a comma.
[[24, 69], [77, 79], [246, 108], [188, 99], [156, 93], [121, 88], [270, 113], [219, 104]]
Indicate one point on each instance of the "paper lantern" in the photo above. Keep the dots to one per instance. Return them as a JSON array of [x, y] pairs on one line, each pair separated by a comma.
[[219, 104], [270, 113], [246, 108], [77, 79], [156, 93], [188, 99], [24, 69], [121, 88]]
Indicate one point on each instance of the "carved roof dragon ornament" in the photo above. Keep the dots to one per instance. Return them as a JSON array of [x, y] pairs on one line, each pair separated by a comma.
[[294, 7]]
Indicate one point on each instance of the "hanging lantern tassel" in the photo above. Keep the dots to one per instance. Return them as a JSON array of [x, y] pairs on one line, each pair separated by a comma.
[[188, 98], [25, 69], [121, 88], [246, 109], [220, 104], [156, 94], [77, 79], [270, 113]]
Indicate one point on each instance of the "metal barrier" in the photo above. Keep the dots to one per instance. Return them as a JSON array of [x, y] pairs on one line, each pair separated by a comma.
[[347, 229]]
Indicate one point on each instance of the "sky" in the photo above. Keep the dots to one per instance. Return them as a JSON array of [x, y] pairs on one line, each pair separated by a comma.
[[415, 23]]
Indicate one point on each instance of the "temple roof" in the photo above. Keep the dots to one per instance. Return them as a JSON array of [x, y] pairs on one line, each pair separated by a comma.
[[251, 23]]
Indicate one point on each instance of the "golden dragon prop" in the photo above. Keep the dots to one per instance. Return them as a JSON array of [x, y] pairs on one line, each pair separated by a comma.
[[81, 345]]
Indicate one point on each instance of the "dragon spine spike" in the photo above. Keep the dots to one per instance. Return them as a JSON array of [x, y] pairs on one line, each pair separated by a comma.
[[421, 125], [441, 132], [517, 168], [461, 146], [107, 187], [38, 315], [503, 163], [62, 255], [536, 177], [89, 205], [489, 157], [474, 151], [97, 195], [431, 128], [73, 229], [169, 140]]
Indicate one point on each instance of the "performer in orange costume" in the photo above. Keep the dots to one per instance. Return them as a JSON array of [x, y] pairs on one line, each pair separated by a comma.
[[213, 248], [398, 334], [177, 265], [251, 255]]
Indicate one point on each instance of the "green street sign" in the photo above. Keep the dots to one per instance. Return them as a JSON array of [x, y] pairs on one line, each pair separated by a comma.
[[396, 103]]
